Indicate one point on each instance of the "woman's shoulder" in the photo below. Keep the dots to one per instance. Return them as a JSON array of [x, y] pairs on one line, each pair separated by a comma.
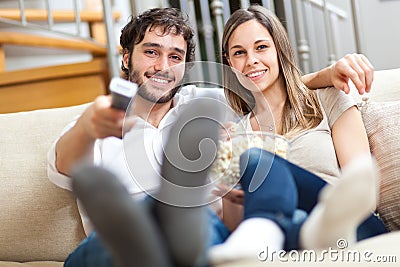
[[334, 102], [331, 97]]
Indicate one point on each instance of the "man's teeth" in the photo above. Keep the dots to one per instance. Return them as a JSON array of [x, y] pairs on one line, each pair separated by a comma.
[[254, 74], [159, 80]]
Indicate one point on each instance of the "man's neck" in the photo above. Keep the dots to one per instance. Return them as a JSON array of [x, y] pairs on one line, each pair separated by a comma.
[[151, 112]]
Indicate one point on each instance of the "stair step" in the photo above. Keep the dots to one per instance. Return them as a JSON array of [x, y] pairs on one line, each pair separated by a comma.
[[13, 38], [57, 15], [50, 87]]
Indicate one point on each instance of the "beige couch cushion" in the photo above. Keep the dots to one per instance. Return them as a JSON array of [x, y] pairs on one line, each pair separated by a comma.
[[382, 123], [386, 87], [38, 221], [31, 264]]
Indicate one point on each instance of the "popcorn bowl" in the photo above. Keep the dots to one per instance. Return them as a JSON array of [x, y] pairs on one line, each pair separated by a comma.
[[225, 170]]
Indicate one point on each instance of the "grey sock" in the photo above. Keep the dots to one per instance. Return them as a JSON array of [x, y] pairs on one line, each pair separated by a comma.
[[127, 228], [190, 150]]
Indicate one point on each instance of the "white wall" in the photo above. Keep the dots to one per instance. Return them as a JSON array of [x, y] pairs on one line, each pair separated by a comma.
[[380, 32], [380, 36]]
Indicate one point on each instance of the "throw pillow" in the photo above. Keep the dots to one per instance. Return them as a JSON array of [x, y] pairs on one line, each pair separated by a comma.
[[382, 123]]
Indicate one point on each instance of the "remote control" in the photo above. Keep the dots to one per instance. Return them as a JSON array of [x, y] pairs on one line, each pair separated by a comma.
[[122, 92]]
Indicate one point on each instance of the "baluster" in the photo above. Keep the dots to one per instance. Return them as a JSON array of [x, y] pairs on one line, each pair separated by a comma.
[[303, 48], [50, 21], [311, 35], [111, 42], [22, 10], [164, 3], [268, 4], [226, 10], [184, 5], [199, 75], [329, 37], [216, 8], [244, 3], [77, 18], [208, 31], [355, 10]]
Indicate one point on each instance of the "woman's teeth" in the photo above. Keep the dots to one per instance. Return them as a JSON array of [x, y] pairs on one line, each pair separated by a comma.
[[255, 74]]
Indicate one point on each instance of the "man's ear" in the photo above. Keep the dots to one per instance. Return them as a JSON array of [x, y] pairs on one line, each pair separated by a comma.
[[125, 59]]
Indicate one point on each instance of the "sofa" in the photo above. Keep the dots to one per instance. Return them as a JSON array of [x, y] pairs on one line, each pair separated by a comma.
[[40, 223]]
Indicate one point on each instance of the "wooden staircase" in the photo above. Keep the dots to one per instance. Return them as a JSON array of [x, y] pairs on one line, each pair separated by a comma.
[[60, 85]]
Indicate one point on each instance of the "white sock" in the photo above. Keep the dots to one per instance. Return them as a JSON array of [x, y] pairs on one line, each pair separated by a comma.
[[252, 237], [342, 206]]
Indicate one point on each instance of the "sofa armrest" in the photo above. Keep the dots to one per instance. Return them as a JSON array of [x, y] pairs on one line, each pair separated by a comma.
[[38, 221]]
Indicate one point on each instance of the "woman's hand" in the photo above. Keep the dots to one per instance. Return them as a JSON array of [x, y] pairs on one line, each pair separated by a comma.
[[351, 67], [354, 67], [235, 196], [232, 206]]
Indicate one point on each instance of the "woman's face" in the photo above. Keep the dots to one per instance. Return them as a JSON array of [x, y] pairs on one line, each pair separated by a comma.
[[253, 53]]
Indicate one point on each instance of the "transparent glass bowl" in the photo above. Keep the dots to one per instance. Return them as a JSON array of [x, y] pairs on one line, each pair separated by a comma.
[[226, 170]]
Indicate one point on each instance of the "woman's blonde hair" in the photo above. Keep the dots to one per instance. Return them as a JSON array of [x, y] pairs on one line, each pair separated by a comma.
[[302, 110]]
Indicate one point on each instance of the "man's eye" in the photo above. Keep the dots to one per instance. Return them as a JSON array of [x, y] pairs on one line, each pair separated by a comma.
[[176, 58], [150, 52]]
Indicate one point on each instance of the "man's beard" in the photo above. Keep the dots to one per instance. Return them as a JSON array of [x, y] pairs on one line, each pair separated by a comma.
[[146, 94]]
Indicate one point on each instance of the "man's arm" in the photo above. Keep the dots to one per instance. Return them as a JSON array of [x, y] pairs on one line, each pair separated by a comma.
[[99, 120], [354, 67]]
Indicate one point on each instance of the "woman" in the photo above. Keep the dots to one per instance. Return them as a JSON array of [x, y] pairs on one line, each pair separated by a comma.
[[326, 134]]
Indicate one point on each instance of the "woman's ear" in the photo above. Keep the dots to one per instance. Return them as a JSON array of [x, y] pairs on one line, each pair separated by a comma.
[[227, 58]]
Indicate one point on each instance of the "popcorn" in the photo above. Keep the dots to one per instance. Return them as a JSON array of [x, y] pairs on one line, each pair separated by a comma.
[[226, 169]]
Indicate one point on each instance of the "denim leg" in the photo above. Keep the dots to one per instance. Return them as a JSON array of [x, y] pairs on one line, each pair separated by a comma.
[[372, 226], [293, 232], [308, 185], [217, 231], [90, 253], [308, 188], [270, 191]]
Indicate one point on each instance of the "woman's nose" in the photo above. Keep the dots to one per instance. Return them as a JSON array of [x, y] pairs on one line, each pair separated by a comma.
[[251, 59]]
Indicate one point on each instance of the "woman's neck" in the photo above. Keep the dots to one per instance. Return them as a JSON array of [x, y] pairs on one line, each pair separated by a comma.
[[268, 110]]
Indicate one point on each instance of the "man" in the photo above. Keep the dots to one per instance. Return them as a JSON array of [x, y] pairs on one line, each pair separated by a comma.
[[155, 46]]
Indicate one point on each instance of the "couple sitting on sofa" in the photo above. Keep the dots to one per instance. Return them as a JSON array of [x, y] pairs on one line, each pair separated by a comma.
[[255, 44]]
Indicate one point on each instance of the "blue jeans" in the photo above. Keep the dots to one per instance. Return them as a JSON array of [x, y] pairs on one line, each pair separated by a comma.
[[91, 251]]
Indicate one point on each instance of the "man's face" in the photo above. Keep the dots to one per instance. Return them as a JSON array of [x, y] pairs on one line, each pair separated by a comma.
[[157, 65]]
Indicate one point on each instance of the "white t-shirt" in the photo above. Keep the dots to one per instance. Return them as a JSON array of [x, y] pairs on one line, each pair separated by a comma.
[[136, 159]]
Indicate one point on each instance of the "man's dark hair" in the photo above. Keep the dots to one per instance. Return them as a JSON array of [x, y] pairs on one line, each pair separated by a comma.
[[168, 19]]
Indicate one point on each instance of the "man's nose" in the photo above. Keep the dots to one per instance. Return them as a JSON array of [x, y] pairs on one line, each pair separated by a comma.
[[162, 64]]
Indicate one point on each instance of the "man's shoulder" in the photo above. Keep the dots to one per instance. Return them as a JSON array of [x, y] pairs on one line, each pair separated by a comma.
[[192, 91]]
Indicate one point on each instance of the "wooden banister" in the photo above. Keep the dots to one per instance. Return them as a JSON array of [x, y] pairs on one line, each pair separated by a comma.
[[97, 65], [60, 85], [55, 86], [57, 15], [13, 38], [2, 59]]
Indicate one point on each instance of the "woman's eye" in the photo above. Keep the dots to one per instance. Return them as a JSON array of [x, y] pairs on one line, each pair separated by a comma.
[[239, 52], [260, 47]]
